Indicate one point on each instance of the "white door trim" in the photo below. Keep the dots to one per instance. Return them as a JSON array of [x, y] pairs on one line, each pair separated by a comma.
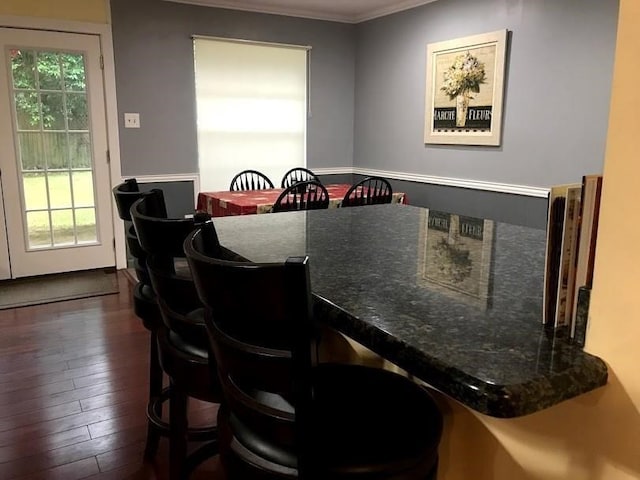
[[103, 30]]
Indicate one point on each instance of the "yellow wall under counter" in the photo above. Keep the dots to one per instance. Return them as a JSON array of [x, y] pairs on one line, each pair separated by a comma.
[[94, 11]]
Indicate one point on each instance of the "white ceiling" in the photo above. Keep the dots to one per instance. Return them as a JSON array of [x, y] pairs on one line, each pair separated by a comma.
[[349, 11]]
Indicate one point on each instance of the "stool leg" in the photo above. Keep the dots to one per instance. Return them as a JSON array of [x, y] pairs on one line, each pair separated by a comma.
[[178, 405], [155, 390]]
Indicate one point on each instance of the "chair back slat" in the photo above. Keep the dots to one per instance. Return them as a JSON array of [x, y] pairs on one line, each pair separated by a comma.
[[308, 195], [297, 175], [369, 191], [250, 180]]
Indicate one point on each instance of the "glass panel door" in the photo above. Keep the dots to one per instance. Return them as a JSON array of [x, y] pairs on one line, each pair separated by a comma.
[[50, 98], [55, 178]]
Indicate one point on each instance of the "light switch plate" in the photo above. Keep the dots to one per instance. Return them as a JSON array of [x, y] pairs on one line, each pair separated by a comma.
[[131, 120]]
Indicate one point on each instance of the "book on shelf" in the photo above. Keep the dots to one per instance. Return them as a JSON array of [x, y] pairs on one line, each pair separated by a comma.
[[568, 254], [587, 235], [561, 213]]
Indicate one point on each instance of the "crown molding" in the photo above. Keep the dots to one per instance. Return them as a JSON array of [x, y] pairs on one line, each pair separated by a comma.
[[398, 7], [244, 7], [306, 13]]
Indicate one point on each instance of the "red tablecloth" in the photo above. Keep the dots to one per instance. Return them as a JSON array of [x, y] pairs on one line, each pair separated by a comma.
[[221, 204]]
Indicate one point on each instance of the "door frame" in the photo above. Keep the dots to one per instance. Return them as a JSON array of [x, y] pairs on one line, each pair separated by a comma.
[[103, 31]]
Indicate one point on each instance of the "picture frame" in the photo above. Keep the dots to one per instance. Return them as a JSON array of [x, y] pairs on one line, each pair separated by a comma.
[[464, 90], [455, 256]]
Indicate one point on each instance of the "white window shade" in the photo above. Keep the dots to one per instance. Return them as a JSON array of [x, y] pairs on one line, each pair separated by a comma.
[[252, 109]]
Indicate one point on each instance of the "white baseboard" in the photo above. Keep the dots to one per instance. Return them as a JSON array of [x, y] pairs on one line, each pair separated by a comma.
[[526, 190]]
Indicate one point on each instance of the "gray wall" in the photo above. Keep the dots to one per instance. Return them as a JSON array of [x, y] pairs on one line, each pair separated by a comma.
[[368, 87], [154, 76], [557, 96]]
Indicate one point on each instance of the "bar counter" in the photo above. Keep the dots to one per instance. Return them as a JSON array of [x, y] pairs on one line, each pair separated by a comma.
[[453, 300]]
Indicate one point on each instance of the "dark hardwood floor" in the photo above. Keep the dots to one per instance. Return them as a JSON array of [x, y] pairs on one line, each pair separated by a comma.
[[73, 386]]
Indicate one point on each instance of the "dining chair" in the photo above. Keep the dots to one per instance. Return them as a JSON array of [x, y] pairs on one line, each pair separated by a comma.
[[297, 175], [146, 308], [183, 349], [368, 191], [307, 195], [250, 180], [286, 416]]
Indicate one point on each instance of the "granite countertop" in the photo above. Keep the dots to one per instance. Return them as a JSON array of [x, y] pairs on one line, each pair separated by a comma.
[[455, 301]]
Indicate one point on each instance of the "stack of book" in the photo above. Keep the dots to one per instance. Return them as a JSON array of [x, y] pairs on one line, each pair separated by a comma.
[[572, 228]]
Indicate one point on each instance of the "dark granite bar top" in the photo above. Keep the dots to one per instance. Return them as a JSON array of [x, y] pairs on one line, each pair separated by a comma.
[[455, 301]]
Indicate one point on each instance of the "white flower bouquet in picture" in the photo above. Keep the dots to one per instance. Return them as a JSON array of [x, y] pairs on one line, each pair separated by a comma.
[[462, 78], [464, 90]]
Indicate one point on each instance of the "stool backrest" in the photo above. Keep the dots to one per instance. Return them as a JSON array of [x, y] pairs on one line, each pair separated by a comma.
[[125, 195], [162, 239], [258, 317]]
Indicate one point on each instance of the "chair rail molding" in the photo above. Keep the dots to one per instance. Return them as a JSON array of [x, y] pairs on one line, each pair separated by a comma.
[[531, 191]]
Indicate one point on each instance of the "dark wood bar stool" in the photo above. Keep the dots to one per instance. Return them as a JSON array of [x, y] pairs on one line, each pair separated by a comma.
[[146, 308], [183, 346], [285, 416]]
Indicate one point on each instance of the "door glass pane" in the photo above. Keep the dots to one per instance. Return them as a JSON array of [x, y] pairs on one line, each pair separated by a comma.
[[27, 110], [73, 67], [55, 152], [35, 191], [77, 111], [23, 67], [55, 160], [80, 150], [49, 72], [86, 225], [52, 111], [39, 229], [60, 190], [82, 189], [63, 227], [31, 151]]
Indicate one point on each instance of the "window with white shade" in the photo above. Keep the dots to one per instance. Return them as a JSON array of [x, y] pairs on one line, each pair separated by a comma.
[[252, 109]]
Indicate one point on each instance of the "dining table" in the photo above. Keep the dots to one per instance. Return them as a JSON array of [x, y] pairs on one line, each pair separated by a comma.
[[248, 202], [453, 300]]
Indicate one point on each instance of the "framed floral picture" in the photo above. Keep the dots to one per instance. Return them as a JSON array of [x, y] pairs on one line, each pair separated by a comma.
[[464, 89]]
